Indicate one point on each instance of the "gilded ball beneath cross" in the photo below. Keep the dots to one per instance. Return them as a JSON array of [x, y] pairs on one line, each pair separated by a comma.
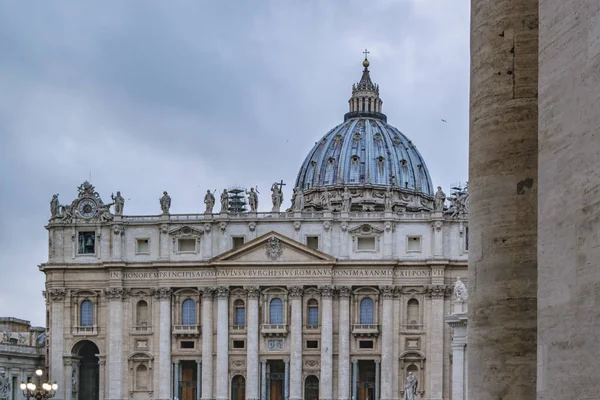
[[366, 63]]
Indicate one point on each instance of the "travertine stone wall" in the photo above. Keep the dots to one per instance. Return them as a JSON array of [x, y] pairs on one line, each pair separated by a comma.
[[503, 190], [569, 200]]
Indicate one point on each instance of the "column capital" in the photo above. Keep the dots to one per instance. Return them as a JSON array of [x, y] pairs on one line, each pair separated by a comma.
[[387, 292], [117, 293], [264, 362], [436, 291], [207, 292], [198, 361], [55, 294], [344, 292], [163, 293], [295, 292], [285, 361], [222, 292], [253, 292], [326, 291], [175, 361]]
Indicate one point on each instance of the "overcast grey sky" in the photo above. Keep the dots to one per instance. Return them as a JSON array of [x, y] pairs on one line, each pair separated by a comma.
[[186, 96]]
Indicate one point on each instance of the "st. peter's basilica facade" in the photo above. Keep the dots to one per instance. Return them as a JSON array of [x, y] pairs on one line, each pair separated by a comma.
[[341, 296]]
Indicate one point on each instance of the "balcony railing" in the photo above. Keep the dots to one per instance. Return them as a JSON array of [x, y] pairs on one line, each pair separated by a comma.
[[85, 330], [141, 329], [312, 327], [186, 330], [274, 329], [365, 329], [413, 327], [238, 328]]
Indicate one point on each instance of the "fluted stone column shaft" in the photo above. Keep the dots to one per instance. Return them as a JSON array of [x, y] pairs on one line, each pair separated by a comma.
[[343, 391], [115, 344], [458, 371], [503, 172], [222, 343], [263, 380], [163, 296], [207, 343], [252, 325], [296, 344], [326, 379], [387, 342]]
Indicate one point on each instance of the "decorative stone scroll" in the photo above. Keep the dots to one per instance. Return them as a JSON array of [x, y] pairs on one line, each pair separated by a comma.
[[436, 291], [275, 344], [222, 292], [344, 292], [295, 292], [253, 292], [56, 294], [162, 293], [326, 291], [117, 293]]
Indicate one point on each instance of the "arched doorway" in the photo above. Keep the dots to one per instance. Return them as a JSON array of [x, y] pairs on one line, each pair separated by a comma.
[[238, 388], [88, 384], [311, 388]]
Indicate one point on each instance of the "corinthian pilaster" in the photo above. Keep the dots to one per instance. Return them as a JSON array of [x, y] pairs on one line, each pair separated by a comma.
[[222, 343], [115, 295], [163, 295], [326, 379], [207, 342], [436, 349], [295, 294], [387, 341], [252, 390], [344, 344]]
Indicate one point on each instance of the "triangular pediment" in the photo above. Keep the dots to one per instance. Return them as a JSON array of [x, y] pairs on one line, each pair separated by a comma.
[[273, 248]]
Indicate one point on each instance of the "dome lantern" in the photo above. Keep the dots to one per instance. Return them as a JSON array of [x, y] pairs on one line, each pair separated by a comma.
[[365, 99]]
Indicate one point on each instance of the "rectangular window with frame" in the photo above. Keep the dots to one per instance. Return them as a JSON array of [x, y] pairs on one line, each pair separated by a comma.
[[237, 242], [186, 245], [312, 242], [313, 315], [142, 246], [365, 243], [87, 243], [312, 344], [365, 344], [413, 244], [239, 344]]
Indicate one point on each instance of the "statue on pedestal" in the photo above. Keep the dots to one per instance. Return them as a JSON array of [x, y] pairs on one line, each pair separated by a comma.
[[119, 203], [252, 199], [440, 198], [54, 206], [460, 290], [298, 199], [224, 201], [165, 203], [209, 200], [346, 200], [410, 387], [277, 195]]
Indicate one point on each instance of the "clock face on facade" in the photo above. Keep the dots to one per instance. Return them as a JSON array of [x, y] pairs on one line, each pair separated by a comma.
[[87, 208]]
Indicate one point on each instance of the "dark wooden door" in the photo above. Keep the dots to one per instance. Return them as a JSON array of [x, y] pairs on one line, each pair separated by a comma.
[[188, 384]]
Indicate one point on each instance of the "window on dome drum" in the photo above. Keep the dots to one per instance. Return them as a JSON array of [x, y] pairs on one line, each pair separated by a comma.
[[366, 311], [312, 242], [87, 243], [186, 245], [413, 244], [312, 317], [142, 313], [365, 243], [240, 313], [276, 312], [142, 246], [86, 313], [237, 242], [188, 312]]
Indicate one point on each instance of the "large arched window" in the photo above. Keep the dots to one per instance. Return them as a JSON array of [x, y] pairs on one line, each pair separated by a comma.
[[312, 315], [141, 313], [240, 313], [366, 311], [412, 312], [86, 313], [188, 312], [276, 312]]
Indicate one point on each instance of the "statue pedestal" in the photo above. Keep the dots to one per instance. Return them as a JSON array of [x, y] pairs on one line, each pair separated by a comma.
[[460, 307], [164, 217]]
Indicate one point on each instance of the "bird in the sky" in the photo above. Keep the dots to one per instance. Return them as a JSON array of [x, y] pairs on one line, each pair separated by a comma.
[[443, 120]]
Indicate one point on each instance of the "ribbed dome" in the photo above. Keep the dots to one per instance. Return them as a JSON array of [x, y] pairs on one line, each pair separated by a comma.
[[366, 157], [365, 151]]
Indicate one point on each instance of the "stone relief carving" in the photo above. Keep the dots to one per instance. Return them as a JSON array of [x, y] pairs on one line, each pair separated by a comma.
[[274, 248], [207, 227], [412, 290], [164, 228], [117, 293], [326, 225], [223, 226], [162, 293], [165, 203], [238, 363], [344, 226], [297, 225], [275, 344], [311, 363], [22, 338], [5, 387], [437, 226], [209, 201], [252, 226]]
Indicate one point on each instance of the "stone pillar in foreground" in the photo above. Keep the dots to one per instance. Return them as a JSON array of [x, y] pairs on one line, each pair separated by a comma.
[[326, 377], [387, 341], [295, 293], [503, 182], [115, 296], [252, 320], [568, 225], [222, 343], [343, 392], [55, 298], [207, 343], [163, 295]]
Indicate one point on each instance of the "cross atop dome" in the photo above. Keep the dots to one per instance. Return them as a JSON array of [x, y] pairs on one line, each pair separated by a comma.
[[365, 94]]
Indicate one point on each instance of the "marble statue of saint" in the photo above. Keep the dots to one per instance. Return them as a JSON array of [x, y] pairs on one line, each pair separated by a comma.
[[299, 200], [276, 197], [387, 198], [325, 200], [119, 203], [209, 200], [165, 203], [224, 201], [54, 206], [74, 382], [440, 197], [253, 200], [5, 391], [410, 387], [460, 290], [346, 200]]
